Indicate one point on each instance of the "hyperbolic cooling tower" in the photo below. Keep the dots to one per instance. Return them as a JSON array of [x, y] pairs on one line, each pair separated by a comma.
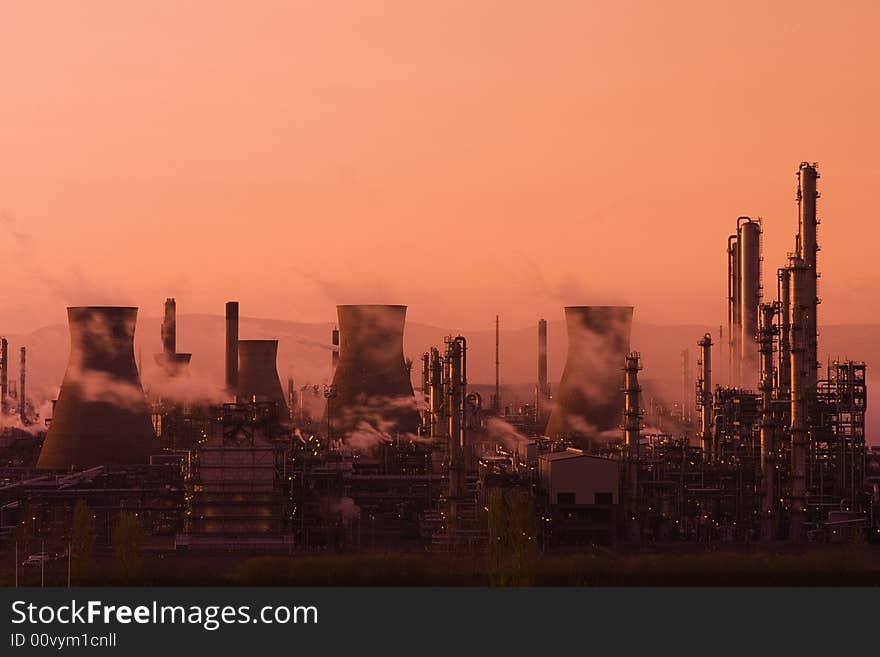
[[258, 373], [372, 380], [101, 417], [589, 399]]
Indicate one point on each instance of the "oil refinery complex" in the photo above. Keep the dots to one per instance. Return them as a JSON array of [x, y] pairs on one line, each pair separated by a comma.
[[368, 461]]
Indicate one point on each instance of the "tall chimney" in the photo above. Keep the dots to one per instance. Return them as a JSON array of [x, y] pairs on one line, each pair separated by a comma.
[[22, 390], [455, 393], [496, 402], [169, 329], [543, 396], [704, 396], [232, 347], [632, 431], [4, 373]]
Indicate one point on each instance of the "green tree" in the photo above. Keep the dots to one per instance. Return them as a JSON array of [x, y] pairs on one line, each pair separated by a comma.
[[82, 541], [128, 537], [513, 538]]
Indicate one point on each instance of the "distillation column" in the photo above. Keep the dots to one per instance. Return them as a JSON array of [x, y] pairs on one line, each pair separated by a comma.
[[455, 393], [704, 396], [783, 294], [808, 248], [734, 330], [749, 298], [22, 390], [800, 377], [768, 436], [632, 431]]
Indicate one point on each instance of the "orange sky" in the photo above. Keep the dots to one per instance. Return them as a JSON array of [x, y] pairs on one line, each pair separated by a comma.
[[464, 158]]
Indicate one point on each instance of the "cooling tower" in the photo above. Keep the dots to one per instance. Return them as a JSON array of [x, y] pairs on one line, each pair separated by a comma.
[[258, 374], [372, 380], [589, 399], [101, 416]]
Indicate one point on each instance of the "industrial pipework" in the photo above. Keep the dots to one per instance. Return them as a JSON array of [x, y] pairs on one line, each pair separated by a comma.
[[704, 396], [22, 389], [632, 433], [734, 331], [768, 425], [455, 393], [808, 248], [800, 385], [749, 246]]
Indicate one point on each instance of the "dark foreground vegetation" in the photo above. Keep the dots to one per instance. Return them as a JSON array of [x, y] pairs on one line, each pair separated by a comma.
[[841, 566]]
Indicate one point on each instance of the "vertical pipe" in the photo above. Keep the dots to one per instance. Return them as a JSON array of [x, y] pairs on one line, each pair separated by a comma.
[[543, 384], [704, 396], [632, 427], [439, 424], [685, 386], [798, 392], [749, 246], [768, 437], [232, 347], [4, 374], [733, 313], [784, 296], [22, 390]]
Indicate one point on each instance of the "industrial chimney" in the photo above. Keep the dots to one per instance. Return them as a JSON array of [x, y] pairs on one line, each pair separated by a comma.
[[749, 240], [171, 362], [4, 373], [371, 383], [231, 346], [101, 416], [258, 374], [22, 388], [589, 399], [543, 396]]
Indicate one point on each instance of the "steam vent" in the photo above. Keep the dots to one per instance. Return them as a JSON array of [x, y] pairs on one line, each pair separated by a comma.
[[258, 374], [590, 396], [372, 380], [101, 417]]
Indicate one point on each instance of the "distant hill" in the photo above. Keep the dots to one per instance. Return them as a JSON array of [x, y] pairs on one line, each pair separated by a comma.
[[304, 352]]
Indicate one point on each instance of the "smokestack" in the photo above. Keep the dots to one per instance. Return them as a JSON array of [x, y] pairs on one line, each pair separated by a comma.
[[258, 373], [704, 396], [4, 374], [632, 431], [800, 386], [169, 329], [232, 347], [334, 358], [590, 394], [101, 416], [496, 402], [372, 381], [749, 270], [22, 390], [543, 396], [169, 360], [768, 437], [808, 247]]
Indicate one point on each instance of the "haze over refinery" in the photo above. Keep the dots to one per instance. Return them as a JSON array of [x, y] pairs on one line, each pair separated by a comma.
[[463, 159]]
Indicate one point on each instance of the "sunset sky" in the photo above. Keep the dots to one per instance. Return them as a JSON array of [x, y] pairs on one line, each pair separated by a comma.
[[464, 158]]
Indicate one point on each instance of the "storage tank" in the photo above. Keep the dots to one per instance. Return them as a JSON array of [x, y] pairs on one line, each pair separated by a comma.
[[589, 398], [258, 373], [101, 416], [371, 383]]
